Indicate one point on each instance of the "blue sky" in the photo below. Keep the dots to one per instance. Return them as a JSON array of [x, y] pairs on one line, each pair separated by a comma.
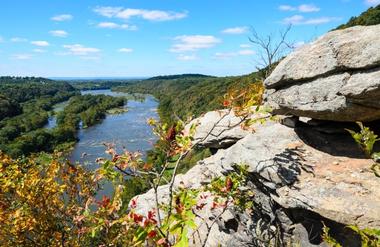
[[126, 38]]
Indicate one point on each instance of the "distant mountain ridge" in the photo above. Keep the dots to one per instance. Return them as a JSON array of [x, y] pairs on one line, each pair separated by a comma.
[[181, 76]]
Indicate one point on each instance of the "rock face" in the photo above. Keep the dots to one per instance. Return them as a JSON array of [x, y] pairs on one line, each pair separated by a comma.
[[337, 78], [300, 177], [219, 129], [305, 171]]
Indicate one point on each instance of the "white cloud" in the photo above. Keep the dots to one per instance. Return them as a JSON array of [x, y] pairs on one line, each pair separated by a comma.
[[224, 55], [18, 39], [246, 52], [112, 25], [372, 2], [41, 43], [301, 20], [63, 17], [151, 15], [59, 33], [194, 42], [80, 50], [235, 30], [39, 50], [304, 8], [21, 56], [245, 46], [183, 57], [108, 11], [286, 8], [125, 50], [1, 39], [227, 55]]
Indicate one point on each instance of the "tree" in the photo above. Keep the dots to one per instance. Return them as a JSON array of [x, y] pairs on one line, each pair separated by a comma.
[[270, 50]]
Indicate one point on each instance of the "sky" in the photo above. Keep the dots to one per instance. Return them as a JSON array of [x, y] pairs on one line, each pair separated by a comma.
[[141, 38]]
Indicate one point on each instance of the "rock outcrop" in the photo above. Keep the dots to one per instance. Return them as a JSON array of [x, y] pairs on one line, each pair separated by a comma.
[[220, 129], [336, 77], [305, 171], [301, 178]]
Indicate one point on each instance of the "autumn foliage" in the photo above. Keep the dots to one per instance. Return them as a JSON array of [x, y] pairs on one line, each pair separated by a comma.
[[51, 202]]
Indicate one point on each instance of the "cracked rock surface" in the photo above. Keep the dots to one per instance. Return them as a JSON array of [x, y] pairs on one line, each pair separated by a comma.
[[337, 77], [300, 177]]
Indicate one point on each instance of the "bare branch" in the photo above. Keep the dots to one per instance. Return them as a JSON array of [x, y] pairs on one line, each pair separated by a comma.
[[270, 50]]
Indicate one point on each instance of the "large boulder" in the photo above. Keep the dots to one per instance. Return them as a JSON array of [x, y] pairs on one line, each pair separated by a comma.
[[336, 77], [221, 128], [301, 178]]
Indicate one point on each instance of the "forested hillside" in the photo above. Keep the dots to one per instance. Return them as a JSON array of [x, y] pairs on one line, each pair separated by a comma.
[[369, 17], [190, 96], [98, 84], [40, 92], [26, 104]]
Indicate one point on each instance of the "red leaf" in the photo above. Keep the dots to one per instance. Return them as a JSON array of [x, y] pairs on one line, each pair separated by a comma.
[[152, 234], [170, 135], [104, 202], [134, 203]]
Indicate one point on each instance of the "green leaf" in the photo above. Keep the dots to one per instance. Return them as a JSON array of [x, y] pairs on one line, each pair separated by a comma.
[[93, 232], [176, 227], [191, 224]]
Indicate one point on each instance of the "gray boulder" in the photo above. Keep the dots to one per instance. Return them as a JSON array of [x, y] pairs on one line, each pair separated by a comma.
[[220, 129], [298, 176], [336, 77]]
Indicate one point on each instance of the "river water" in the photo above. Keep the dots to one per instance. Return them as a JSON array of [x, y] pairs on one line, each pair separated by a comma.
[[128, 130]]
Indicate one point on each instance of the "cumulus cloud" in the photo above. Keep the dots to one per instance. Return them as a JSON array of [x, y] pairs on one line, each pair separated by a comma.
[[59, 33], [227, 55], [125, 50], [301, 20], [235, 30], [183, 57], [304, 8], [21, 56], [63, 17], [127, 13], [112, 25], [39, 50], [41, 43], [246, 52], [372, 2], [80, 50], [224, 55], [193, 42], [18, 39], [245, 46], [286, 8]]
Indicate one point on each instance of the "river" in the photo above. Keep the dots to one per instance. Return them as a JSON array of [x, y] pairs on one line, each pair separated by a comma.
[[127, 130]]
